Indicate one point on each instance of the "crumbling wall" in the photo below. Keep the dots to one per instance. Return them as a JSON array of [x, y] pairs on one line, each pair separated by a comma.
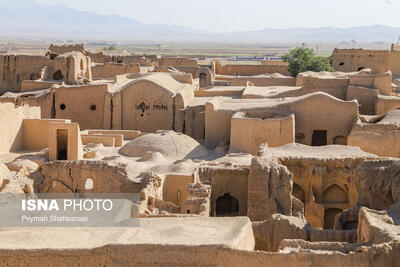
[[269, 189]]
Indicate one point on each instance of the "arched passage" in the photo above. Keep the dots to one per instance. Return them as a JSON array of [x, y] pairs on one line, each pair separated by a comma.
[[334, 194], [340, 140], [227, 205]]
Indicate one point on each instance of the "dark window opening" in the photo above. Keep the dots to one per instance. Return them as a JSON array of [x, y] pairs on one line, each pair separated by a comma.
[[227, 206], [93, 107], [58, 75], [319, 138], [360, 68], [62, 106], [341, 64], [62, 144]]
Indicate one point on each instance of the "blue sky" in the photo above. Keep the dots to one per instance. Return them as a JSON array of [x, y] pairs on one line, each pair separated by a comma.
[[245, 15]]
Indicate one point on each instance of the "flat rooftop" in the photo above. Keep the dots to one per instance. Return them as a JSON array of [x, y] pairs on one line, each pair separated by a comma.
[[234, 232]]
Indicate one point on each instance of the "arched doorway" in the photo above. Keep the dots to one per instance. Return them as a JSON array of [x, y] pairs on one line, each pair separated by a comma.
[[329, 217], [340, 140], [203, 80], [227, 205]]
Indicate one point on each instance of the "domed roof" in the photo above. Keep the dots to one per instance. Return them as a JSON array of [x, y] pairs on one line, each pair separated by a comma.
[[170, 144]]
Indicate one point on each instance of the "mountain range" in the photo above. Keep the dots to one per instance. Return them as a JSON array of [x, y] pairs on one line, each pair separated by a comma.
[[28, 19]]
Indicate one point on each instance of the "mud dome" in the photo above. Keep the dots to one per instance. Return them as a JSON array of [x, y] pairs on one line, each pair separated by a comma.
[[169, 144]]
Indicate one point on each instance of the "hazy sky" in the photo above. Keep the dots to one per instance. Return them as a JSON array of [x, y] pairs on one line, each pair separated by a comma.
[[238, 15]]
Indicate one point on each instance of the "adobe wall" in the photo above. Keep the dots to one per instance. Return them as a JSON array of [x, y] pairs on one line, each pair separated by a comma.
[[14, 69], [366, 98], [322, 112], [12, 127], [242, 81], [85, 105], [249, 70], [247, 132], [269, 189], [36, 133], [43, 101], [110, 70], [331, 183], [146, 107], [74, 142], [333, 86], [232, 181], [66, 177], [34, 85], [206, 255], [175, 188], [382, 144], [385, 104], [380, 81], [316, 111], [62, 49], [348, 60], [195, 122], [177, 61], [71, 68], [394, 60]]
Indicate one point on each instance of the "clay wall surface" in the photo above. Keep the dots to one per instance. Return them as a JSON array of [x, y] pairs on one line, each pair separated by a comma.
[[85, 105], [43, 101], [333, 86], [232, 181], [247, 133], [330, 182], [110, 70], [348, 60], [74, 142], [146, 107], [14, 69], [175, 188], [12, 126], [36, 133], [249, 70], [385, 104], [177, 61], [366, 98], [208, 255], [242, 81], [380, 81], [195, 122], [394, 60]]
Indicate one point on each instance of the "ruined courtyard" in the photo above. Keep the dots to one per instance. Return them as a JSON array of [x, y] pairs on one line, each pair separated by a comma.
[[236, 163]]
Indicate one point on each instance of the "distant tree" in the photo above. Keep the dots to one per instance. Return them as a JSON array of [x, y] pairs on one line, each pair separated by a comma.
[[303, 59], [110, 48]]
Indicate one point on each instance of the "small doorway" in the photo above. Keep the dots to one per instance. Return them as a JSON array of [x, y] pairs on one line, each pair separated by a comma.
[[62, 144], [329, 217], [203, 81], [319, 138], [227, 206]]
